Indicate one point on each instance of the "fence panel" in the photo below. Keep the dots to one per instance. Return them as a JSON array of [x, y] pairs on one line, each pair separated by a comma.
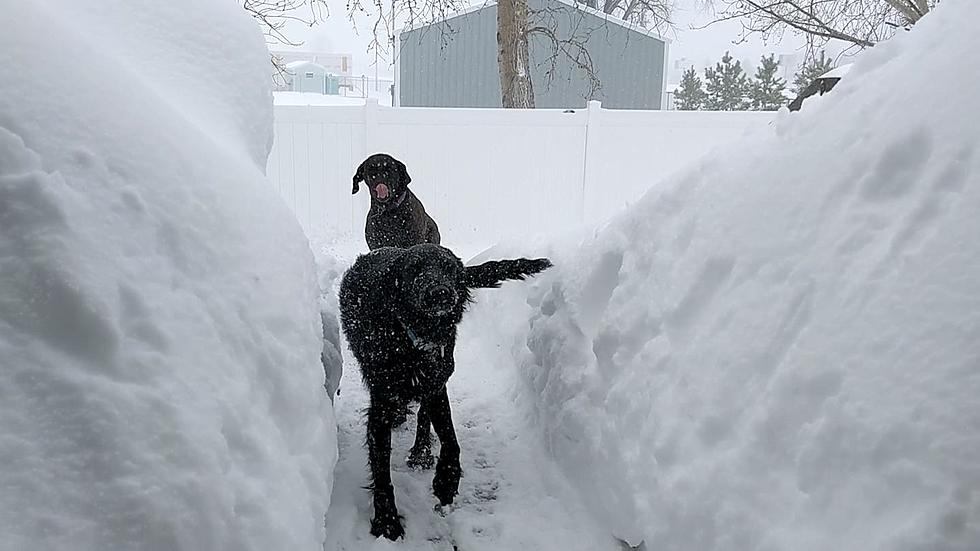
[[489, 174]]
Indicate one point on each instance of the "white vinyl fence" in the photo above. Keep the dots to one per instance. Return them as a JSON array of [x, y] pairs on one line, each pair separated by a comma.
[[489, 174]]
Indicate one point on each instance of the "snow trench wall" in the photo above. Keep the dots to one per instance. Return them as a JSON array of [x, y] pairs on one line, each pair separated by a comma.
[[777, 349], [160, 375]]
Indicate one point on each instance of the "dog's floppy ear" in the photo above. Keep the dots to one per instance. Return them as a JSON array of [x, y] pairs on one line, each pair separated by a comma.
[[403, 176], [358, 178], [492, 274]]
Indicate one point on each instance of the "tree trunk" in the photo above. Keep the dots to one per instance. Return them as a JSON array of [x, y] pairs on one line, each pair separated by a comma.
[[512, 55], [912, 10]]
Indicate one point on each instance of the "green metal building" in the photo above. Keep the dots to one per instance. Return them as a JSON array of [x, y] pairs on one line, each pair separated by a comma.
[[453, 63]]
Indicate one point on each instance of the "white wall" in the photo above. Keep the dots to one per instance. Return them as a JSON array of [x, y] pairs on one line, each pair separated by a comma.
[[489, 174]]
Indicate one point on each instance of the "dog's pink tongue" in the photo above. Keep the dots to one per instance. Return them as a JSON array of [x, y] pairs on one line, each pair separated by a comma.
[[381, 191]]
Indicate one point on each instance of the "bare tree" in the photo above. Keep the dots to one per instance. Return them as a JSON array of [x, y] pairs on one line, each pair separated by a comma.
[[566, 31], [648, 14], [273, 15], [513, 56], [860, 23], [388, 14]]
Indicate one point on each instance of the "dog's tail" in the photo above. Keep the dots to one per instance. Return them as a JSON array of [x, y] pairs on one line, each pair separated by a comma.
[[492, 274]]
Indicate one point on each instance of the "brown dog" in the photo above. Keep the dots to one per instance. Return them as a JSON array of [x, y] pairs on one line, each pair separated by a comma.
[[397, 217]]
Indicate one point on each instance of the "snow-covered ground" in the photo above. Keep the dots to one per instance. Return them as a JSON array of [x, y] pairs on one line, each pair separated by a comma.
[[160, 377], [776, 349]]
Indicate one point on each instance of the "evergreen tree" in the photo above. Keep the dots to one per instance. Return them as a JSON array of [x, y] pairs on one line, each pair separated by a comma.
[[767, 90], [689, 96], [811, 70], [726, 86]]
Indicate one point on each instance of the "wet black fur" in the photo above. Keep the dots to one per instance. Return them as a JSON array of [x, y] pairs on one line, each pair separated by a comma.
[[386, 297], [397, 221]]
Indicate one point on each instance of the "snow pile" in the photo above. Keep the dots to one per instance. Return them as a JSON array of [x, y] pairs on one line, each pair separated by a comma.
[[780, 349], [333, 257], [160, 381]]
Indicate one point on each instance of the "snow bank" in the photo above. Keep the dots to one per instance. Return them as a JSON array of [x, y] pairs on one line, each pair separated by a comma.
[[780, 349], [333, 257], [161, 386]]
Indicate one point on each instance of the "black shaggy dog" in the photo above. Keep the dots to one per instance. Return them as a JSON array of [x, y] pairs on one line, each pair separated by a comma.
[[399, 309], [397, 217]]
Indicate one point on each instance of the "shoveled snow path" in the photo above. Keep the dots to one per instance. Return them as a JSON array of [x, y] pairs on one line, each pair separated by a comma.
[[511, 496]]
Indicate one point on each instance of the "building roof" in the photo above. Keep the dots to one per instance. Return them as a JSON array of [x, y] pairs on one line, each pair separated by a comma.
[[837, 72], [570, 3], [308, 53], [304, 63]]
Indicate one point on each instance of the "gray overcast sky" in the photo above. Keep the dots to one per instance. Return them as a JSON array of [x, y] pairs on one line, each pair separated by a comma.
[[339, 35]]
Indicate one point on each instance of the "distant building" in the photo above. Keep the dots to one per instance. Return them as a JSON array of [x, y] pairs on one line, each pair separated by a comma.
[[306, 76], [338, 65], [453, 62], [335, 64]]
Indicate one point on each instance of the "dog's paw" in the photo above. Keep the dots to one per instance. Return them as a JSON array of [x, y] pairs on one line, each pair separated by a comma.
[[388, 525], [420, 459], [445, 484]]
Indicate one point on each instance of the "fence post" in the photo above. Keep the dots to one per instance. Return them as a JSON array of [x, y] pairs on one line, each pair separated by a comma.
[[370, 130], [592, 126], [370, 124]]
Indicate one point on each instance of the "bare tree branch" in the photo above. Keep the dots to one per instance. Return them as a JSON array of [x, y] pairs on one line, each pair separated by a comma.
[[389, 15], [572, 47], [273, 15], [861, 23], [647, 14]]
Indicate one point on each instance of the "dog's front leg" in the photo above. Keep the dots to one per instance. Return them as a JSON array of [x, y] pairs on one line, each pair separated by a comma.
[[420, 457], [445, 484], [386, 521]]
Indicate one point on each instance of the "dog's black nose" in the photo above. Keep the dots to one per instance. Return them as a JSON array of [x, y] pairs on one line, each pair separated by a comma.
[[440, 295]]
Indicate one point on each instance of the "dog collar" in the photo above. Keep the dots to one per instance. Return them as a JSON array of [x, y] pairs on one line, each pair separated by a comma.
[[423, 345], [401, 199], [388, 207]]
